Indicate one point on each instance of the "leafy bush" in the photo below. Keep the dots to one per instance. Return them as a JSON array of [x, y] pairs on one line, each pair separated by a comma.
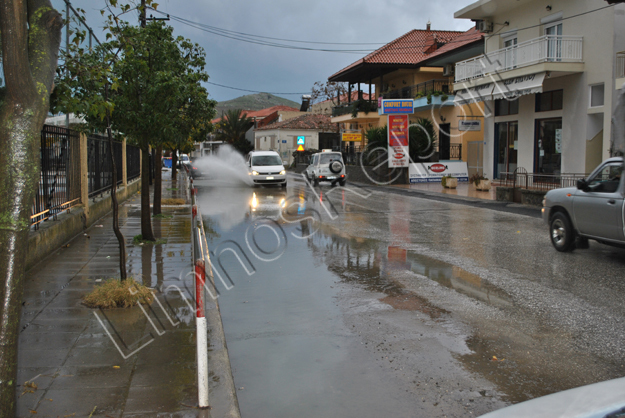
[[476, 178]]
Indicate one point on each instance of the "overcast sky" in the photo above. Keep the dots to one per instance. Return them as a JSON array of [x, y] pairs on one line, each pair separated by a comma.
[[323, 24]]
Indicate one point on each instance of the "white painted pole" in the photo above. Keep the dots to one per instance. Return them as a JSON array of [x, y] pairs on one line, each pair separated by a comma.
[[202, 337]]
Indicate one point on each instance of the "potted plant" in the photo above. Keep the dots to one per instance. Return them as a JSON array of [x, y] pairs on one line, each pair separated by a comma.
[[480, 181], [449, 182]]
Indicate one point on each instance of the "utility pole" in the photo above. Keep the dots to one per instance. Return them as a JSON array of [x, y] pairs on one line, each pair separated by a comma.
[[142, 15]]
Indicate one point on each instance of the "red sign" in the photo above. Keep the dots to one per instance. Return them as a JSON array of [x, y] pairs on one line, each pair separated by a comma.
[[398, 141], [437, 168]]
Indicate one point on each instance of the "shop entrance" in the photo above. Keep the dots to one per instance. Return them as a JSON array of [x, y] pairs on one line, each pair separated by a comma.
[[548, 146], [506, 144]]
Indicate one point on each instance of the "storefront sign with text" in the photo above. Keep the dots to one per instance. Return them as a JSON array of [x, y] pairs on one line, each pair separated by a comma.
[[398, 141]]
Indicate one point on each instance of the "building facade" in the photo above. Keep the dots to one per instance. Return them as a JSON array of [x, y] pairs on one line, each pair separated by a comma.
[[547, 80]]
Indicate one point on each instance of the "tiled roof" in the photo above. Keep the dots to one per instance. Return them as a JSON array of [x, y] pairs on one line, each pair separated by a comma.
[[308, 121], [465, 38], [409, 49], [262, 113]]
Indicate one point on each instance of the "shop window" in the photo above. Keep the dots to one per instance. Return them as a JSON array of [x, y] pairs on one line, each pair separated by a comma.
[[549, 100], [596, 95], [504, 107]]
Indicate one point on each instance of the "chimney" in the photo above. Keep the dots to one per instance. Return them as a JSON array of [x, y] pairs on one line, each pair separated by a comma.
[[305, 103], [429, 25]]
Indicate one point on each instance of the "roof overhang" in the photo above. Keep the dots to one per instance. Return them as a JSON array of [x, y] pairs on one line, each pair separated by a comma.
[[487, 8], [501, 89], [366, 72]]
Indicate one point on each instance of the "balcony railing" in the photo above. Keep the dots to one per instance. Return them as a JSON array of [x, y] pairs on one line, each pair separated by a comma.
[[620, 65], [355, 107], [420, 90], [548, 48]]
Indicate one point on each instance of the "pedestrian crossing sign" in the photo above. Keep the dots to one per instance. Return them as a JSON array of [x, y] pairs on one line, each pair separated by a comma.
[[300, 148], [300, 140]]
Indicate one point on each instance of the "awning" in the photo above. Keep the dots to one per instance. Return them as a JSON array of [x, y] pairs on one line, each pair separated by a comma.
[[500, 89]]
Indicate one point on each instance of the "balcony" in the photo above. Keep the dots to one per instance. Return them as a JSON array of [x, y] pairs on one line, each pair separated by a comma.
[[548, 48], [354, 108], [420, 90]]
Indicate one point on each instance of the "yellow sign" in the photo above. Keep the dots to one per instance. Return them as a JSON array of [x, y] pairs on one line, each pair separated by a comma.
[[352, 137], [300, 148]]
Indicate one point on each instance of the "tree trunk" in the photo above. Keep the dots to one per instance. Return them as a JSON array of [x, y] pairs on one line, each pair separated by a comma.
[[174, 166], [158, 181], [31, 35], [114, 204], [146, 221]]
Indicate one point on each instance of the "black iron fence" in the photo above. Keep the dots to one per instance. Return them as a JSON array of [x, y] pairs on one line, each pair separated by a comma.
[[59, 182], [537, 181], [133, 162], [355, 107], [100, 167]]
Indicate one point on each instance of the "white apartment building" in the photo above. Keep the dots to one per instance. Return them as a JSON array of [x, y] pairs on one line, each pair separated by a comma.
[[548, 79]]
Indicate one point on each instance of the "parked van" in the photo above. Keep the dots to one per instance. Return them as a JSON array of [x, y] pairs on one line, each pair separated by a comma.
[[265, 167]]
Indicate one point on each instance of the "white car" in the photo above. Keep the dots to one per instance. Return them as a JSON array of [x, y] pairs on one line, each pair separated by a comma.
[[265, 167], [326, 166]]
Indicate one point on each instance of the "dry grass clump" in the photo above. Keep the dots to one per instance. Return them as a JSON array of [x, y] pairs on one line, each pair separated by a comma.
[[173, 202], [116, 294]]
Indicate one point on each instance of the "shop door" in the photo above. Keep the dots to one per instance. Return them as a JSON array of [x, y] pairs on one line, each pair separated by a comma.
[[443, 142], [548, 146], [506, 144]]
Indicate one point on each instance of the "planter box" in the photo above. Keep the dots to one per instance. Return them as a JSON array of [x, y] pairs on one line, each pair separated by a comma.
[[483, 185], [532, 197], [451, 183]]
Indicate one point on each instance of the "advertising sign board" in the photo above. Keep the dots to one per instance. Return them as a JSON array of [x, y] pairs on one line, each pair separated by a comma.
[[352, 137], [398, 141], [433, 172], [397, 107]]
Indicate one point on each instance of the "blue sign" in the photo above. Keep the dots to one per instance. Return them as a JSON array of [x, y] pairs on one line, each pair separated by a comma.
[[397, 107], [284, 141], [300, 140]]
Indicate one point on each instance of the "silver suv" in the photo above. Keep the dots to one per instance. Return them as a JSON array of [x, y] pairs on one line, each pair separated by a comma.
[[326, 166], [592, 210]]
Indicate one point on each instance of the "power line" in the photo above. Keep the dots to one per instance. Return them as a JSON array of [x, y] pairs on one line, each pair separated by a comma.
[[252, 91]]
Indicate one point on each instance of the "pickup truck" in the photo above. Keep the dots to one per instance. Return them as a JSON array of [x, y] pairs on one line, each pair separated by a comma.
[[592, 210]]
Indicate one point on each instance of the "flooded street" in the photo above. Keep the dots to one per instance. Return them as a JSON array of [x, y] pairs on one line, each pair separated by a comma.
[[358, 303]]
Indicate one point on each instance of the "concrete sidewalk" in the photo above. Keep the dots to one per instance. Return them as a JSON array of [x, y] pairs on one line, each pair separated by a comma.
[[137, 362]]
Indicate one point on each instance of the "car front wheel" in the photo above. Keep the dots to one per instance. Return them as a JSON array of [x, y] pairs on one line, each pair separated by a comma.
[[561, 232]]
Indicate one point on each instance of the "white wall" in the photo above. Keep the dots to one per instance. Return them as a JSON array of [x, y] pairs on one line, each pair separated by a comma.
[[604, 35]]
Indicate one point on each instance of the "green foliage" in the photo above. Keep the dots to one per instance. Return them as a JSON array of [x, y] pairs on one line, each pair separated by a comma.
[[361, 106], [233, 126], [422, 140], [476, 178]]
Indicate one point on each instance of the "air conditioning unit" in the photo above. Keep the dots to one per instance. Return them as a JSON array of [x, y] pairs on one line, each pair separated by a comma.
[[448, 70], [484, 26]]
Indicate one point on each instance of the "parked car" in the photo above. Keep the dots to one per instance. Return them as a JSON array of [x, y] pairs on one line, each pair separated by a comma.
[[326, 166], [592, 210], [598, 400], [265, 168]]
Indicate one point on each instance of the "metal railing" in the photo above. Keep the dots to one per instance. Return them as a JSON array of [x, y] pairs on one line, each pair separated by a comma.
[[538, 181], [455, 152], [59, 182], [421, 90], [99, 164], [620, 65], [547, 48], [360, 106]]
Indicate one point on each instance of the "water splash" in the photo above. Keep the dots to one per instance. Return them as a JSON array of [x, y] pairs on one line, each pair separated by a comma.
[[226, 167]]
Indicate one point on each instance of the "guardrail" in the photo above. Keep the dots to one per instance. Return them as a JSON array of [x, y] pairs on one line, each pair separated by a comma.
[[201, 261]]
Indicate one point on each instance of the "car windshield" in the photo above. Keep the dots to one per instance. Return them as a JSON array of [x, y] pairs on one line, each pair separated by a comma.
[[261, 160], [326, 158]]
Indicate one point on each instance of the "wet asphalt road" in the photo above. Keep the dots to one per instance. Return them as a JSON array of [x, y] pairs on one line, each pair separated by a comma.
[[360, 302]]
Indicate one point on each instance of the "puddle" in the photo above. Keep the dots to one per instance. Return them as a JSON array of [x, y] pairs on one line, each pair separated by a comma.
[[458, 279]]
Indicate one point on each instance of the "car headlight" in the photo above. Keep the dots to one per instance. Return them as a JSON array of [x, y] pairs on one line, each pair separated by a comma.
[[283, 172], [254, 173], [544, 201]]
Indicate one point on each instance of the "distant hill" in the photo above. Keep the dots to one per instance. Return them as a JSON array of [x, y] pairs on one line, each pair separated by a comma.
[[257, 101]]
